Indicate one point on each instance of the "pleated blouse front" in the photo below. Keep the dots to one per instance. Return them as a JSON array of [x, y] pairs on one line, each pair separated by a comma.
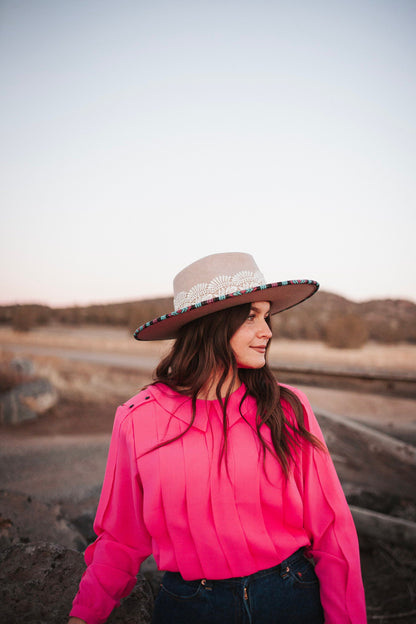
[[206, 522], [210, 512]]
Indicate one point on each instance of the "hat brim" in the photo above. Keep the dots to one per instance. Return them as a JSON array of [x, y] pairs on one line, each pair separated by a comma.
[[282, 296]]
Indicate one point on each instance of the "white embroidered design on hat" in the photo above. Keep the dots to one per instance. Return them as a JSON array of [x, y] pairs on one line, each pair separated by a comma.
[[219, 286]]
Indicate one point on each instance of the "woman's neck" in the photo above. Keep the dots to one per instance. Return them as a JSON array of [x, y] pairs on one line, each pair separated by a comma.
[[209, 391]]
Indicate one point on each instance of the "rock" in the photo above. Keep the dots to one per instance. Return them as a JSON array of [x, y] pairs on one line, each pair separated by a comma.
[[85, 523], [25, 520], [26, 400], [81, 514], [151, 572], [384, 528], [39, 581], [368, 458], [22, 366]]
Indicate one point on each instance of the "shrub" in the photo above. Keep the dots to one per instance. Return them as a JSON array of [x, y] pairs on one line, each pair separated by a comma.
[[346, 331], [23, 318]]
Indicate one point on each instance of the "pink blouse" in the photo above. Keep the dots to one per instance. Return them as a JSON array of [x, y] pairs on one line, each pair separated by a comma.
[[210, 519]]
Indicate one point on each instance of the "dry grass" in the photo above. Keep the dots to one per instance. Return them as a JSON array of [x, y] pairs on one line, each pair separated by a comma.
[[397, 357], [82, 381], [87, 338]]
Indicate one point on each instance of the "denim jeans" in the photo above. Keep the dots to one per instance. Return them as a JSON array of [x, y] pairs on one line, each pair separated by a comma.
[[287, 593]]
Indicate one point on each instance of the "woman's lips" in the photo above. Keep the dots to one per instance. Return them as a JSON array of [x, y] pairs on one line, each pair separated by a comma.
[[260, 349]]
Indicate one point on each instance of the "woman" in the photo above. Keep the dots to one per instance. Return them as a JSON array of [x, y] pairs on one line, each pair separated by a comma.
[[223, 474]]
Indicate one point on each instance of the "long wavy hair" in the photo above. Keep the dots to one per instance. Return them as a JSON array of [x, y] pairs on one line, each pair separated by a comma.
[[201, 348]]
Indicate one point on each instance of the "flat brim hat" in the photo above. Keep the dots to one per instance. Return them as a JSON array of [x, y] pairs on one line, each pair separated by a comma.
[[222, 281]]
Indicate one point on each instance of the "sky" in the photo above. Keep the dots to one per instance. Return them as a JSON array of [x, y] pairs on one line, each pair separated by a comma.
[[137, 137]]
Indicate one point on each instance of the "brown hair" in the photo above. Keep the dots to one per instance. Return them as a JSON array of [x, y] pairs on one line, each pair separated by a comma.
[[203, 346]]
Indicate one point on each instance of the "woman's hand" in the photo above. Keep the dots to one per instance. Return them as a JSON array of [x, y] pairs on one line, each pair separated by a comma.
[[74, 620]]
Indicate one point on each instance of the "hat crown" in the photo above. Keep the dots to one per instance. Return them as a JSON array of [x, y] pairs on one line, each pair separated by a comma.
[[214, 276]]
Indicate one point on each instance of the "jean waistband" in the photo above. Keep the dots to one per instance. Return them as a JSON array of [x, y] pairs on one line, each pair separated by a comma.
[[280, 568]]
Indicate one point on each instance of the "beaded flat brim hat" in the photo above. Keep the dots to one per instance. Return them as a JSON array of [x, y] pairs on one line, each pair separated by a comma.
[[222, 281]]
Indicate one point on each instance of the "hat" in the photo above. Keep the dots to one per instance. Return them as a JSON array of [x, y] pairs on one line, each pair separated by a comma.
[[222, 281]]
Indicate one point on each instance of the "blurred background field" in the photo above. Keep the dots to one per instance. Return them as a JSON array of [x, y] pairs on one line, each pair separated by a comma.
[[104, 338]]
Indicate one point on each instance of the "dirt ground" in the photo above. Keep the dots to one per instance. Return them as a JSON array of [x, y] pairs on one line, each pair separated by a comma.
[[90, 392]]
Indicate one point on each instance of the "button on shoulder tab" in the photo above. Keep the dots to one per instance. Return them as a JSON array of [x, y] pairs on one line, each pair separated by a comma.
[[139, 399]]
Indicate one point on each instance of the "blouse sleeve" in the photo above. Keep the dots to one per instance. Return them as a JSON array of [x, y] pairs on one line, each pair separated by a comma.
[[328, 521], [123, 542]]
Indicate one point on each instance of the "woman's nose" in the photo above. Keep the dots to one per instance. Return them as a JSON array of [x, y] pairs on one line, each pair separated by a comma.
[[265, 330]]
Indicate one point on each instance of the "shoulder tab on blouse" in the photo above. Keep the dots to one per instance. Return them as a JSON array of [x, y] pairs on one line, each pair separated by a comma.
[[139, 399]]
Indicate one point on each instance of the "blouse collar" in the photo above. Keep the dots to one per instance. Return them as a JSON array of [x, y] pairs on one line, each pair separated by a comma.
[[180, 406]]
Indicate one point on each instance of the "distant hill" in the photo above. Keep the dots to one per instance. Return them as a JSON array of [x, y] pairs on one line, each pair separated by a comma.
[[384, 320], [325, 314]]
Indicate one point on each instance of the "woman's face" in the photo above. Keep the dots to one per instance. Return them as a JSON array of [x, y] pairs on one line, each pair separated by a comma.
[[250, 340]]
